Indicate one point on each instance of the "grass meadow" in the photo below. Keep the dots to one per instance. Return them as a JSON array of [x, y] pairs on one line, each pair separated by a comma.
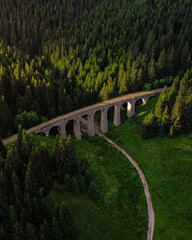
[[121, 212]]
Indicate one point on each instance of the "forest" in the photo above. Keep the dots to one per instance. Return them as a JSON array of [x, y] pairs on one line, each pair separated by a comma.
[[58, 56], [27, 174], [173, 112]]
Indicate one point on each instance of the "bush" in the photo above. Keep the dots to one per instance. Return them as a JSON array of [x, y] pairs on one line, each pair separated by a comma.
[[147, 87], [27, 119]]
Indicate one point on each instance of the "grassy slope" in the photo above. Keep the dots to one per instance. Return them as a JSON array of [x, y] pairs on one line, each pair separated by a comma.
[[121, 213], [166, 163]]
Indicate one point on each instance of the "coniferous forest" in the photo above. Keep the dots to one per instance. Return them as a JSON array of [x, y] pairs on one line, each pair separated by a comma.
[[58, 56]]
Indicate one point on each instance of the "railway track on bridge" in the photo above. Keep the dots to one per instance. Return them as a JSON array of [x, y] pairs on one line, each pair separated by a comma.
[[61, 121]]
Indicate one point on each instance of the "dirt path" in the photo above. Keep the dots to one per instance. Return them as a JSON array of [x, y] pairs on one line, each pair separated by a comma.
[[151, 215]]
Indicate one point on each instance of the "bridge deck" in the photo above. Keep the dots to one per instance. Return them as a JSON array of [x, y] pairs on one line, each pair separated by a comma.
[[85, 110]]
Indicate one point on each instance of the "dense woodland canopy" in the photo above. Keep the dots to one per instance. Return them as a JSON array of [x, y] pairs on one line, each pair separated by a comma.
[[27, 174], [57, 56], [173, 113]]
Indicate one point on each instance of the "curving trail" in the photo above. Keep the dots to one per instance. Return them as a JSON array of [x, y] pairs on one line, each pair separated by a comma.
[[151, 215]]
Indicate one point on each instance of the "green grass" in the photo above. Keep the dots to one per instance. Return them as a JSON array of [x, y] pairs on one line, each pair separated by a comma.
[[121, 212], [166, 162]]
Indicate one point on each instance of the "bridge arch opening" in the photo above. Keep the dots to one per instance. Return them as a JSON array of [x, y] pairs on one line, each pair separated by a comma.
[[139, 102], [110, 113], [69, 128], [89, 121], [124, 108], [83, 123], [54, 131]]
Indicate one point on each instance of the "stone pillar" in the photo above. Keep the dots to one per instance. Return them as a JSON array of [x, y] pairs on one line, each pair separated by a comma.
[[46, 131], [90, 124], [77, 128], [130, 108], [104, 120], [62, 129], [117, 115]]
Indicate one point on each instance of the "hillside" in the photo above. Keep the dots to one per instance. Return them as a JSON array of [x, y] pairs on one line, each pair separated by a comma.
[[68, 54], [62, 55]]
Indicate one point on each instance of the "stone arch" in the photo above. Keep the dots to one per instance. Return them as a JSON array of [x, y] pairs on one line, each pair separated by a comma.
[[77, 127], [124, 111], [69, 127], [130, 108], [110, 113], [139, 102], [146, 98], [117, 114], [91, 122], [54, 130], [72, 126], [104, 119]]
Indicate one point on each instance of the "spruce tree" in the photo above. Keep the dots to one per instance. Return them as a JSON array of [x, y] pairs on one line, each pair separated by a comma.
[[93, 192], [3, 150], [30, 231], [31, 182], [67, 226], [55, 230], [150, 126], [166, 119]]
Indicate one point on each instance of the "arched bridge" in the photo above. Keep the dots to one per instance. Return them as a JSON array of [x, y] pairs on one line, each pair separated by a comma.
[[61, 121]]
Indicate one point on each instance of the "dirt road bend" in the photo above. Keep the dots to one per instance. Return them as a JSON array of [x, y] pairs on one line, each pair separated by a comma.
[[151, 215]]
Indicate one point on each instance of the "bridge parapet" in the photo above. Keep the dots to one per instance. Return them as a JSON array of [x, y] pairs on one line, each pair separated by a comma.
[[60, 122]]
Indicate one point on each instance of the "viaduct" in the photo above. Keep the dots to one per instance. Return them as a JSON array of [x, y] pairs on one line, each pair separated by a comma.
[[89, 112]]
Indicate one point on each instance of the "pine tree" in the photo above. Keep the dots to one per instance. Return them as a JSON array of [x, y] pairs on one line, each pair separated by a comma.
[[166, 119], [55, 229], [185, 56], [67, 183], [75, 189], [31, 182], [150, 126], [93, 192], [31, 233], [12, 215], [5, 194], [122, 83], [171, 62], [18, 231], [68, 228], [162, 63], [3, 150], [59, 156], [6, 118], [14, 163], [188, 113], [70, 158], [82, 185], [152, 70], [161, 104]]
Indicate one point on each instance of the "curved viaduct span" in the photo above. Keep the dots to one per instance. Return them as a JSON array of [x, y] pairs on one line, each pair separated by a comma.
[[61, 121]]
